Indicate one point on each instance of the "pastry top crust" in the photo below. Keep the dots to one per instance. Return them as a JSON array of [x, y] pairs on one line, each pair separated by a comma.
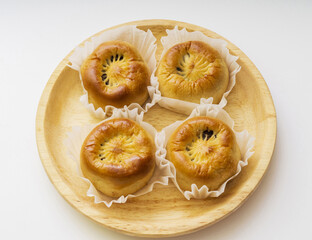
[[204, 147], [192, 70], [118, 148], [115, 74]]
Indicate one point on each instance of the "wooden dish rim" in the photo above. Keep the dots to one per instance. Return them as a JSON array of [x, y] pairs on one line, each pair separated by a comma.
[[44, 152]]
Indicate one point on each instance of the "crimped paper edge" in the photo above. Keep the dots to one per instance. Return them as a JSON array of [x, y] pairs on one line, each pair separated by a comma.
[[244, 139], [80, 53], [74, 146], [176, 36]]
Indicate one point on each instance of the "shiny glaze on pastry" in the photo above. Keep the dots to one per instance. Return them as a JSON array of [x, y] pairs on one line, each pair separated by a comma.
[[118, 157], [192, 70], [204, 151], [115, 74]]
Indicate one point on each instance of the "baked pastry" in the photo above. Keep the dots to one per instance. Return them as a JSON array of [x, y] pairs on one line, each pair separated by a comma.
[[115, 74], [204, 151], [118, 157], [192, 70]]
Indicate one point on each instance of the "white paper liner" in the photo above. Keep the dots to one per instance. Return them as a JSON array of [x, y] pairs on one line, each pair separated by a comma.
[[144, 42], [244, 140], [176, 36], [76, 137]]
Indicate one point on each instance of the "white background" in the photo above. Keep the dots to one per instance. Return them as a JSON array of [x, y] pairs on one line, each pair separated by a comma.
[[35, 36]]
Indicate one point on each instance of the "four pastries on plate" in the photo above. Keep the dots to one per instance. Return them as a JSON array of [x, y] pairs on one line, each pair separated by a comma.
[[118, 156]]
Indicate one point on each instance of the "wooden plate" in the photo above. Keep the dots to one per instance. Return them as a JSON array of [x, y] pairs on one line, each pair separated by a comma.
[[163, 212]]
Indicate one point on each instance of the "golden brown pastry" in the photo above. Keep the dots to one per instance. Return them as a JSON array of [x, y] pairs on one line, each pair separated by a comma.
[[118, 157], [204, 151], [192, 70], [115, 74]]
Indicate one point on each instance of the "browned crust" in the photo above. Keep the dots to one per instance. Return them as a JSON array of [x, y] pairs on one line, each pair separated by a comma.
[[224, 153], [139, 163], [212, 84], [132, 90]]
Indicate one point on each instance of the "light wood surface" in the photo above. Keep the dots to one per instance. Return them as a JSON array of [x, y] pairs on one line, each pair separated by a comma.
[[163, 212]]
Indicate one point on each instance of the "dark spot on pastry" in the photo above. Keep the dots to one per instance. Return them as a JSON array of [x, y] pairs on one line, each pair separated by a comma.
[[102, 158], [187, 148], [107, 82], [179, 69], [104, 76], [100, 155], [121, 57], [207, 134], [192, 159], [112, 58], [116, 57], [215, 135], [107, 61], [102, 144]]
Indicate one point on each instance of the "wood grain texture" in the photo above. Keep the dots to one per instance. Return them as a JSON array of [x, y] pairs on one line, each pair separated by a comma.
[[163, 212]]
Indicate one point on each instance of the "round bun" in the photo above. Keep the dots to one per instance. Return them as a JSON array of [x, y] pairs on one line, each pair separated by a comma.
[[204, 151], [192, 70], [115, 74], [118, 157]]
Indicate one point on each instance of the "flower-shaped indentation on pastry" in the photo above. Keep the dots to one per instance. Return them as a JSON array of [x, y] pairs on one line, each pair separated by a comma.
[[114, 70], [119, 148]]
